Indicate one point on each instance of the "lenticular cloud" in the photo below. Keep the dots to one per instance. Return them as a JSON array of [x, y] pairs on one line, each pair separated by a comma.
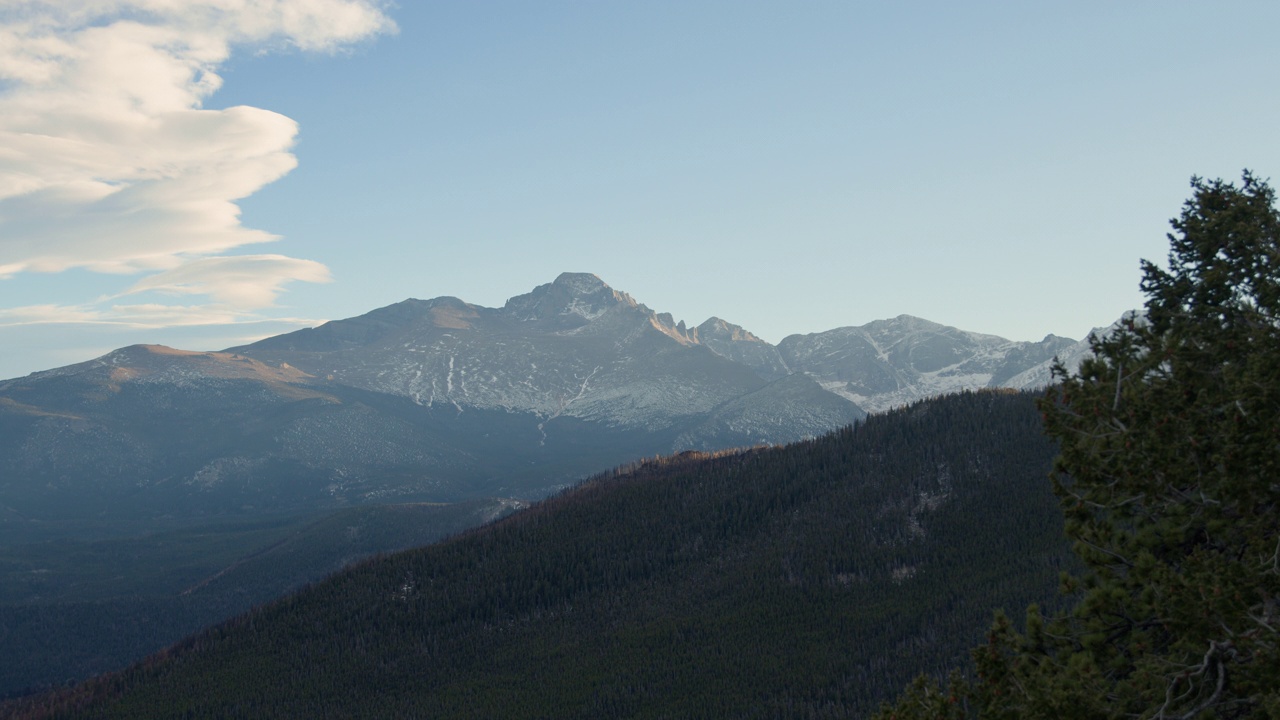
[[108, 160]]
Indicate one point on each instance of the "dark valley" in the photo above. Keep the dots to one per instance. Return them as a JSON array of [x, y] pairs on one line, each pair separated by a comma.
[[813, 579]]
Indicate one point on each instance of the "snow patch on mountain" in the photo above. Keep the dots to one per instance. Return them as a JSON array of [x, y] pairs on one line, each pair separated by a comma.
[[889, 363], [577, 348]]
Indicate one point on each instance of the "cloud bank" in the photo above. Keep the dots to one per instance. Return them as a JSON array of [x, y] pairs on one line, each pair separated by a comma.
[[108, 160]]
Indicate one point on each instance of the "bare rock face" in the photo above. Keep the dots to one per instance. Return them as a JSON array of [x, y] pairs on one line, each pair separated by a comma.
[[571, 348], [442, 400], [888, 363], [422, 400], [736, 343]]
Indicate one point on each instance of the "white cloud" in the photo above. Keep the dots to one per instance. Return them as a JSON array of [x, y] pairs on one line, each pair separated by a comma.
[[109, 162], [47, 314], [246, 281], [141, 316]]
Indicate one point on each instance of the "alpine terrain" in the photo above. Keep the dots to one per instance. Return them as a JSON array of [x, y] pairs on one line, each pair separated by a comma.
[[444, 400], [203, 462]]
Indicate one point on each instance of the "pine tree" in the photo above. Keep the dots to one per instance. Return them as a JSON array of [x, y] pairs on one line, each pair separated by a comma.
[[1168, 474]]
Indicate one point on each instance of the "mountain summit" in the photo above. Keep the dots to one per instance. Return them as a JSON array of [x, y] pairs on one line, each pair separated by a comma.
[[570, 301], [893, 362], [443, 399], [574, 347]]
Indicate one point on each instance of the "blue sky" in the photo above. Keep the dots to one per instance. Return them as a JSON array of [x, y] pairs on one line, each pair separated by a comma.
[[791, 167]]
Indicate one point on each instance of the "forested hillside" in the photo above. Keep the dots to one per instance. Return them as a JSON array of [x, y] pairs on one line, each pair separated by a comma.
[[71, 608], [1167, 474], [810, 580]]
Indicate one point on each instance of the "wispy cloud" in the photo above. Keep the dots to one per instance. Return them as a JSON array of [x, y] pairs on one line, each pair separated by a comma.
[[141, 316], [108, 159], [243, 281], [47, 314]]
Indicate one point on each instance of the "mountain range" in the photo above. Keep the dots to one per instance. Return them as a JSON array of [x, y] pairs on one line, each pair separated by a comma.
[[150, 468], [445, 400]]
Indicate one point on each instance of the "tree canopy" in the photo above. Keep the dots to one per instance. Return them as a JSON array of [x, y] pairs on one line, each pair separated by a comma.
[[1169, 449]]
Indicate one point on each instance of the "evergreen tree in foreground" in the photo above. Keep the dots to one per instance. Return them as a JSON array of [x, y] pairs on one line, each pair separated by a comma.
[[1168, 475]]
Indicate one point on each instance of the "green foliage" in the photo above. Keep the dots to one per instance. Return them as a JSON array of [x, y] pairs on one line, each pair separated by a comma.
[[1170, 447]]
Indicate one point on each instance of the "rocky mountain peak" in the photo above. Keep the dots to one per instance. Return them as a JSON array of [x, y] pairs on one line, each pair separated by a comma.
[[580, 283], [902, 324], [713, 328], [571, 300], [736, 343]]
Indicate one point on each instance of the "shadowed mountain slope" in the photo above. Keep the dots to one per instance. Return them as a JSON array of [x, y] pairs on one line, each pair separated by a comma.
[[808, 581], [70, 609], [441, 400], [433, 400]]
